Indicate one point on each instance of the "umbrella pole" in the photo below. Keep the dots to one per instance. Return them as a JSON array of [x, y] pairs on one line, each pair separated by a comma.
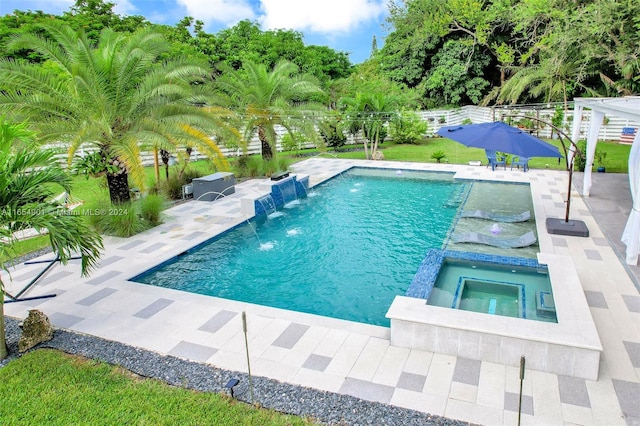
[[576, 228], [566, 214]]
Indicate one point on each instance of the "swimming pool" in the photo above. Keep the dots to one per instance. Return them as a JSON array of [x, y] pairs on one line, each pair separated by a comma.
[[345, 251]]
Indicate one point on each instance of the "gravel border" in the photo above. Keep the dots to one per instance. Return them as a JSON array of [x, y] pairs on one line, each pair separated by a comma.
[[321, 406]]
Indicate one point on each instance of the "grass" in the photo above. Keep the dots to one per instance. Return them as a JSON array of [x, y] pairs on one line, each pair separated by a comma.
[[94, 190], [616, 162], [50, 387]]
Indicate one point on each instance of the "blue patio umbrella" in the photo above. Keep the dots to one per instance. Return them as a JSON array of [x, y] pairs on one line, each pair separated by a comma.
[[500, 137]]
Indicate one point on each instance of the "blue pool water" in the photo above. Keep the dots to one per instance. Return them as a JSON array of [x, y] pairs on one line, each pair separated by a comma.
[[345, 251]]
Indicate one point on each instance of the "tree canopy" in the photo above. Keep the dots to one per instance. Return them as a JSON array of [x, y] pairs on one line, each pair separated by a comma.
[[513, 50]]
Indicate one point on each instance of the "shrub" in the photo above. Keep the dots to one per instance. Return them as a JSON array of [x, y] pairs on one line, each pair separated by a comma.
[[273, 166], [580, 160], [407, 127], [116, 220], [291, 141], [151, 208], [331, 131], [172, 187]]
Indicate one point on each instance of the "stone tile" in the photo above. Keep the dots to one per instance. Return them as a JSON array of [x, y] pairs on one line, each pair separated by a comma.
[[418, 362], [97, 296], [467, 371], [153, 308], [463, 392], [419, 401], [595, 299], [131, 244], [367, 390], [218, 321], [412, 382], [317, 362], [512, 400], [152, 248], [110, 260], [632, 302], [58, 319], [577, 415], [104, 277], [546, 196], [54, 277], [559, 242], [491, 385], [193, 351], [440, 374], [592, 254], [628, 394], [600, 242], [633, 349], [573, 391], [290, 336], [192, 236]]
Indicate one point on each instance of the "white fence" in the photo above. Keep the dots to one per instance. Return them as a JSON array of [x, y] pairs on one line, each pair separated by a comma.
[[611, 130]]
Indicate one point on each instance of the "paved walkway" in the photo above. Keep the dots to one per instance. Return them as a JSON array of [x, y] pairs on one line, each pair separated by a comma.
[[347, 357]]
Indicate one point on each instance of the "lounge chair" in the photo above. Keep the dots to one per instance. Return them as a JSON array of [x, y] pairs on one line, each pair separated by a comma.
[[495, 160], [480, 214], [520, 161], [524, 240]]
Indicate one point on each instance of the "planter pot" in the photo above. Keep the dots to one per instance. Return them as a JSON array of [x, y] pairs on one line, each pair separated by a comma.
[[601, 169]]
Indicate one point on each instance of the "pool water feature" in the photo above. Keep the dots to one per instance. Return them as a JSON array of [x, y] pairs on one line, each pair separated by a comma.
[[345, 252]]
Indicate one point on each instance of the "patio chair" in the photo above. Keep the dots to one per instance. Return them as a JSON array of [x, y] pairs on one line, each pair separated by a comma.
[[524, 240], [520, 161], [495, 160]]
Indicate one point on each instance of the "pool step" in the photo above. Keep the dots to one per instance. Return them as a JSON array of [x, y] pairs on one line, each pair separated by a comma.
[[492, 306], [459, 197]]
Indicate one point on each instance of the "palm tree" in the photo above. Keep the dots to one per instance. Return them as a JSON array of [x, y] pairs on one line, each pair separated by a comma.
[[265, 99], [369, 112], [27, 178], [118, 96]]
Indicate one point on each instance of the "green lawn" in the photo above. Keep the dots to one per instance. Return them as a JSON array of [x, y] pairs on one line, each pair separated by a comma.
[[48, 387], [91, 190]]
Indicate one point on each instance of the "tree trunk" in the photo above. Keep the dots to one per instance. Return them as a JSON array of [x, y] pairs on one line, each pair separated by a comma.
[[119, 187], [156, 164], [267, 152], [3, 341], [166, 156]]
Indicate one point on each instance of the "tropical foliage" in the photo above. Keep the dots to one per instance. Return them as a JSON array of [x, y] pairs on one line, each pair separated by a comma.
[[27, 178], [116, 96], [369, 114], [264, 99], [514, 50]]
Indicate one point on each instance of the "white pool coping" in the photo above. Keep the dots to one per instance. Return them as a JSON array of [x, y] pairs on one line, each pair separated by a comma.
[[569, 347]]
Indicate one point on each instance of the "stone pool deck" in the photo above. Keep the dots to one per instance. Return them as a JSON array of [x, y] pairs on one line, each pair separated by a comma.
[[347, 357]]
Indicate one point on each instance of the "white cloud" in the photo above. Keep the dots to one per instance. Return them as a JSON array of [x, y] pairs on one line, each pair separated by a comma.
[[124, 7], [228, 12], [320, 16]]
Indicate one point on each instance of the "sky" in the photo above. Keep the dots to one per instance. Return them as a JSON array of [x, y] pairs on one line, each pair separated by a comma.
[[344, 25]]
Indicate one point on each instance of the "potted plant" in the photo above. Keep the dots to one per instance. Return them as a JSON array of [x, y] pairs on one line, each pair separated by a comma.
[[601, 156]]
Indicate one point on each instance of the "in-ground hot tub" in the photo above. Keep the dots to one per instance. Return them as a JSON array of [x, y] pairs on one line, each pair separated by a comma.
[[570, 346]]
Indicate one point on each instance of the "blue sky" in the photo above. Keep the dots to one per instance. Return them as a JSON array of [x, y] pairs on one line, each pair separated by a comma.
[[344, 25]]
